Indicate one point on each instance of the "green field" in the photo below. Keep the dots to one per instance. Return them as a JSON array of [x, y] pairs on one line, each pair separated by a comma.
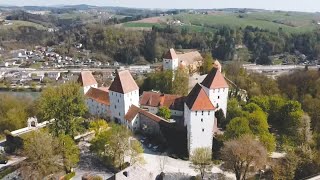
[[292, 22], [16, 24], [289, 22]]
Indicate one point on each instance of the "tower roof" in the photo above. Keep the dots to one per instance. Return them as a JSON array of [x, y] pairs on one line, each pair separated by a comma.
[[171, 54], [198, 100], [123, 83], [86, 78], [215, 80]]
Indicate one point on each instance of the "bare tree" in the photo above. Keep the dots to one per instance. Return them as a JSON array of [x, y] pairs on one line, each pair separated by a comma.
[[201, 160], [163, 159], [240, 154]]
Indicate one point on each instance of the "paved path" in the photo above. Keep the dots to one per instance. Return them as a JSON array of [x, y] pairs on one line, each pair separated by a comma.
[[152, 165], [89, 164]]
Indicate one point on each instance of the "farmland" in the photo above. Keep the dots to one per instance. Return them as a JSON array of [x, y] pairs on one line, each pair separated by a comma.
[[292, 22]]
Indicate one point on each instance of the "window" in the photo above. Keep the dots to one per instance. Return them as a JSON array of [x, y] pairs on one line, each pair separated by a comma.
[[201, 120], [202, 130], [217, 105], [218, 97], [208, 112], [202, 113], [196, 112], [115, 106], [119, 114]]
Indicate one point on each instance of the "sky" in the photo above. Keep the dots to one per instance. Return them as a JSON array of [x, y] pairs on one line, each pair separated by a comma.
[[289, 5]]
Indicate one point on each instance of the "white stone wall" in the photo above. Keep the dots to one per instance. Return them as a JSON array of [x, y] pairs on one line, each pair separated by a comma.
[[200, 128], [170, 64], [219, 98], [120, 104], [97, 109]]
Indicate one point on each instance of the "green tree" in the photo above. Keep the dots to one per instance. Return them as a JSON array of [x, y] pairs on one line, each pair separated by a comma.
[[240, 154], [136, 151], [164, 112], [207, 63], [180, 82], [98, 126], [201, 160], [65, 104], [69, 151], [237, 127], [114, 145], [42, 160]]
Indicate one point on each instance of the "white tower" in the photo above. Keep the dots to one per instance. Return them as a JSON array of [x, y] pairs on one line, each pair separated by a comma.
[[123, 93], [170, 61], [199, 118], [87, 80], [217, 89]]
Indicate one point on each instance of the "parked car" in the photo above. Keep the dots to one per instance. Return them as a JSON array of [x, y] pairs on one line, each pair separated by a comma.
[[155, 148], [3, 159]]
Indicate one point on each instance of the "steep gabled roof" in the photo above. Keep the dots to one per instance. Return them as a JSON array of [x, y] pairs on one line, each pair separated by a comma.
[[215, 80], [123, 83], [198, 100], [155, 99], [171, 54], [86, 79], [134, 110], [98, 94]]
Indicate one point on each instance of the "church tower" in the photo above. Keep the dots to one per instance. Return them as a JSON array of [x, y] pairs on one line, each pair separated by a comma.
[[170, 60]]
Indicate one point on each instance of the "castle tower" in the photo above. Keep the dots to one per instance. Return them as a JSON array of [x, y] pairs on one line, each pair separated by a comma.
[[87, 80], [123, 93], [217, 89], [170, 60], [199, 117]]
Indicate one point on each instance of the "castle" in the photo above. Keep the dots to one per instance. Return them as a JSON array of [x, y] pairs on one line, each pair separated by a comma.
[[122, 103]]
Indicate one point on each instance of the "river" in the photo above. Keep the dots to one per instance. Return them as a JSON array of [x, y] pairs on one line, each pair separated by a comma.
[[32, 95]]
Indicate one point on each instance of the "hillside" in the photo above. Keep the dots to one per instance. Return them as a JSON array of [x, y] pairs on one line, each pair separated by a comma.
[[292, 22]]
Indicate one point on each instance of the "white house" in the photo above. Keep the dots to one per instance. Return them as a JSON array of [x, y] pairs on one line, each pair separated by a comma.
[[98, 103], [170, 61]]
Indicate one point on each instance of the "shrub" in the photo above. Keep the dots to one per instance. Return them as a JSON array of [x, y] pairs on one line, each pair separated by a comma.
[[69, 176]]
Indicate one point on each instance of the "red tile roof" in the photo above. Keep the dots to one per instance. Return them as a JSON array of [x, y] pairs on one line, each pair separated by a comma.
[[99, 95], [154, 99], [123, 83], [86, 78], [190, 58], [171, 54], [215, 80], [198, 100], [134, 110]]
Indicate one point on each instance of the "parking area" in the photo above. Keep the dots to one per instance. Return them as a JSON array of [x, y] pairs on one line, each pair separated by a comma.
[[156, 160]]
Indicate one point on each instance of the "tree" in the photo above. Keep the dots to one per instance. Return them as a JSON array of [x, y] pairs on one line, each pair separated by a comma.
[[136, 150], [180, 82], [240, 154], [201, 160], [98, 126], [207, 64], [114, 145], [237, 127], [41, 157], [164, 112], [69, 151], [65, 104]]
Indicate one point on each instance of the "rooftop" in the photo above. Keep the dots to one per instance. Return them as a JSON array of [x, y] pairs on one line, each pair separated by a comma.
[[86, 78], [155, 99], [123, 83], [171, 54], [215, 80], [100, 95], [198, 100]]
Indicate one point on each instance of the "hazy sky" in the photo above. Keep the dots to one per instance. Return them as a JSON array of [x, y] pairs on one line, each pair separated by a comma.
[[292, 5]]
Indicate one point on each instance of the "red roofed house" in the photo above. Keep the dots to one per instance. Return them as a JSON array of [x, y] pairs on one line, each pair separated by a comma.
[[98, 102], [87, 80]]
